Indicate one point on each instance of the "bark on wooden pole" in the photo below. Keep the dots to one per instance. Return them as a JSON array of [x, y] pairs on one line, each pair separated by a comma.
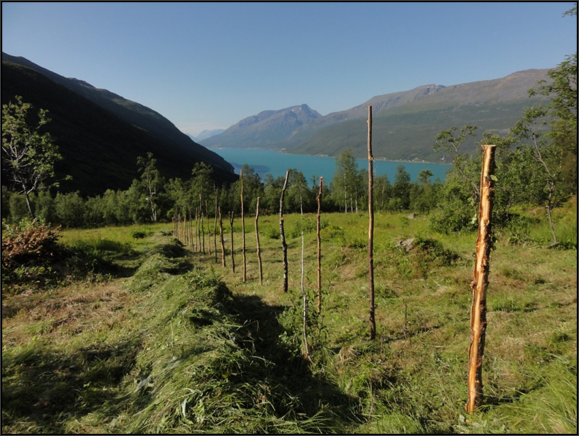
[[208, 237], [318, 228], [232, 256], [197, 234], [242, 226], [223, 263], [215, 229], [478, 321], [282, 233], [257, 241], [305, 300], [202, 224], [371, 226], [183, 227]]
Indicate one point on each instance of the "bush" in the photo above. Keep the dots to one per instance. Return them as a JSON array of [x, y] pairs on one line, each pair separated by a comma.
[[27, 255], [454, 216], [32, 246], [306, 225]]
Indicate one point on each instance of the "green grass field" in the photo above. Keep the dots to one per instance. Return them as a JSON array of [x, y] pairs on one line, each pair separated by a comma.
[[172, 342]]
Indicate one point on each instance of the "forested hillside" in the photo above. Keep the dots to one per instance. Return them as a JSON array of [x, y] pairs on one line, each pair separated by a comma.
[[100, 146]]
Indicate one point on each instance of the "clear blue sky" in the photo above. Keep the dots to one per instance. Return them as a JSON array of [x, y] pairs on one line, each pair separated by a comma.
[[209, 65]]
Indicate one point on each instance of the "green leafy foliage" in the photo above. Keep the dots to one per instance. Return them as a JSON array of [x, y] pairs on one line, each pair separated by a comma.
[[28, 155]]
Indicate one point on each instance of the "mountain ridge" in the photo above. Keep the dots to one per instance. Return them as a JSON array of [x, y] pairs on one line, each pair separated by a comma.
[[421, 113], [99, 147], [132, 112]]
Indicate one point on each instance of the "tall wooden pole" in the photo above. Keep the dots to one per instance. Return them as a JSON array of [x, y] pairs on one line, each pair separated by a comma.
[[215, 229], [282, 234], [304, 299], [478, 316], [242, 226], [257, 241], [202, 226], [208, 237], [223, 263], [371, 226], [197, 234], [231, 213], [318, 228]]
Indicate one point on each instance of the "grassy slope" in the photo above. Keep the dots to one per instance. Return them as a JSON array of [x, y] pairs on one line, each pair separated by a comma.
[[171, 349], [399, 134]]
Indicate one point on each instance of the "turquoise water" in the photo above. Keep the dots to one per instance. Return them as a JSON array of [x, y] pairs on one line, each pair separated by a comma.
[[276, 163]]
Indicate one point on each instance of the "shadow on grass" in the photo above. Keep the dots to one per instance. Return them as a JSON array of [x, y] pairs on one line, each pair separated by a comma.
[[291, 374], [42, 389]]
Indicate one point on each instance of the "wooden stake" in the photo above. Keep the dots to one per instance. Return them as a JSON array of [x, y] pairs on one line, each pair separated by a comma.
[[215, 228], [208, 238], [257, 241], [478, 322], [242, 226], [202, 222], [304, 299], [223, 263], [282, 233], [231, 213], [197, 235], [319, 248], [371, 226]]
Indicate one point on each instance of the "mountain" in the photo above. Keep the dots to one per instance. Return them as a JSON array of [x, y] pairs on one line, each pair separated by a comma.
[[206, 134], [101, 134], [268, 129], [404, 123]]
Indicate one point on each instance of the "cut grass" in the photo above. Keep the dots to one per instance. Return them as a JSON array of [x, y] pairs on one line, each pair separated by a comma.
[[183, 345]]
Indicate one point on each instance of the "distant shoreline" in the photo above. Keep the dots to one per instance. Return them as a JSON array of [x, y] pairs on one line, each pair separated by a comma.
[[283, 151]]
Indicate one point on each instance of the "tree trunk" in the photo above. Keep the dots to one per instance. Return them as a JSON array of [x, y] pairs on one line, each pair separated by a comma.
[[242, 226], [319, 248], [28, 204], [549, 208], [257, 241], [551, 182], [370, 226], [223, 263], [345, 196], [478, 322], [282, 234]]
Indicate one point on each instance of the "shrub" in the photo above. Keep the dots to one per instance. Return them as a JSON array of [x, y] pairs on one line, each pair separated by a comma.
[[27, 255], [30, 247]]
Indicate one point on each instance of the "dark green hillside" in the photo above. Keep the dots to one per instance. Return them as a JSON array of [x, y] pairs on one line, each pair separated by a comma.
[[130, 111], [99, 148]]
